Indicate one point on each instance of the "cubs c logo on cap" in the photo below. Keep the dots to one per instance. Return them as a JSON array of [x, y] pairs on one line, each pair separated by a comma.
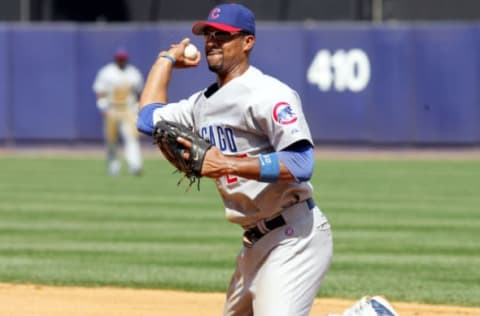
[[228, 17], [284, 114], [215, 13]]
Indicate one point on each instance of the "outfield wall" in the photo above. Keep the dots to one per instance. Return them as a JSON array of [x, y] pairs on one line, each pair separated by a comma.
[[386, 84]]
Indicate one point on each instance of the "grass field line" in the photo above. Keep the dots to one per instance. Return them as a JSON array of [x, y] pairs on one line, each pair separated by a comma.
[[322, 151]]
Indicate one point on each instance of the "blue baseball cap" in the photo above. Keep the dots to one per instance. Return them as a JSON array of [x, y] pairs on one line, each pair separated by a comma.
[[229, 17]]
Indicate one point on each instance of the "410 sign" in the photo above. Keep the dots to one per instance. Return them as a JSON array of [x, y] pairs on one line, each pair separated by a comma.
[[340, 70]]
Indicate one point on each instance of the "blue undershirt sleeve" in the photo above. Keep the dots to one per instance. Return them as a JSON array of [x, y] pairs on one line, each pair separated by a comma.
[[299, 160], [145, 118]]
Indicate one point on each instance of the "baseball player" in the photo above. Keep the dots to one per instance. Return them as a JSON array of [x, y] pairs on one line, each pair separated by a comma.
[[117, 87], [261, 161]]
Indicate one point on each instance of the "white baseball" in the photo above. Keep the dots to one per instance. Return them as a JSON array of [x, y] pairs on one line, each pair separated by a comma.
[[190, 51]]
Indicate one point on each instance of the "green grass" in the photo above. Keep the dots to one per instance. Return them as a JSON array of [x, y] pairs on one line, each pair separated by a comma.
[[406, 229]]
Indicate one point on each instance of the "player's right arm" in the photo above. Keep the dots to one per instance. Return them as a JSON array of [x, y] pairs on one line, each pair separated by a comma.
[[100, 89], [156, 85], [102, 101], [155, 93]]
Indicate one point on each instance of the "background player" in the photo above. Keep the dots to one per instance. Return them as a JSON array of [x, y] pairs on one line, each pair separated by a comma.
[[117, 87], [262, 162]]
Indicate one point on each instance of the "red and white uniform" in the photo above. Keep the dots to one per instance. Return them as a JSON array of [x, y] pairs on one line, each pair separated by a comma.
[[120, 89]]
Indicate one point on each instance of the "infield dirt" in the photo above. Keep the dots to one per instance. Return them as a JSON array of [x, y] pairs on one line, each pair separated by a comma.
[[39, 300]]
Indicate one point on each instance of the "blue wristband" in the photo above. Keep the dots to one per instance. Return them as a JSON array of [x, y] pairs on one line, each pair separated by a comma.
[[269, 167], [169, 57]]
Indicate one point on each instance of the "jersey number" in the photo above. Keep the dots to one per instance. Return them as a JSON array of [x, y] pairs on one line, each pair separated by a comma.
[[231, 179], [234, 179]]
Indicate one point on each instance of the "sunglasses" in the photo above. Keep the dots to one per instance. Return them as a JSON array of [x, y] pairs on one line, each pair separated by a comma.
[[222, 36]]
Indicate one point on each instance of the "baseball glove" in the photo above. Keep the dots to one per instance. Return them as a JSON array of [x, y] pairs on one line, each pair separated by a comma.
[[165, 136]]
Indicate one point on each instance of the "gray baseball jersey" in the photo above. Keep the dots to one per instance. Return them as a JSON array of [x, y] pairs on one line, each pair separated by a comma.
[[250, 115]]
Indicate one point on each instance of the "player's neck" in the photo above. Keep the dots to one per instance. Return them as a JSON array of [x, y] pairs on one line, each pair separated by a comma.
[[237, 71]]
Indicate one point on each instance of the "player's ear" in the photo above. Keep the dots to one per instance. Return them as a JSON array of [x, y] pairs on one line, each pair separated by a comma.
[[248, 42]]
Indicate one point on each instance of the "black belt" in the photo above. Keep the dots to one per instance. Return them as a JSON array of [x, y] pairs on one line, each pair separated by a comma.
[[251, 236]]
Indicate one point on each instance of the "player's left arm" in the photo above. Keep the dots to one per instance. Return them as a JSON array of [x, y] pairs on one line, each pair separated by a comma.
[[299, 159], [292, 164]]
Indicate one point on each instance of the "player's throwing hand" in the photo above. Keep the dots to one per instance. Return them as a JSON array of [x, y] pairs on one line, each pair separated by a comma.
[[176, 55]]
